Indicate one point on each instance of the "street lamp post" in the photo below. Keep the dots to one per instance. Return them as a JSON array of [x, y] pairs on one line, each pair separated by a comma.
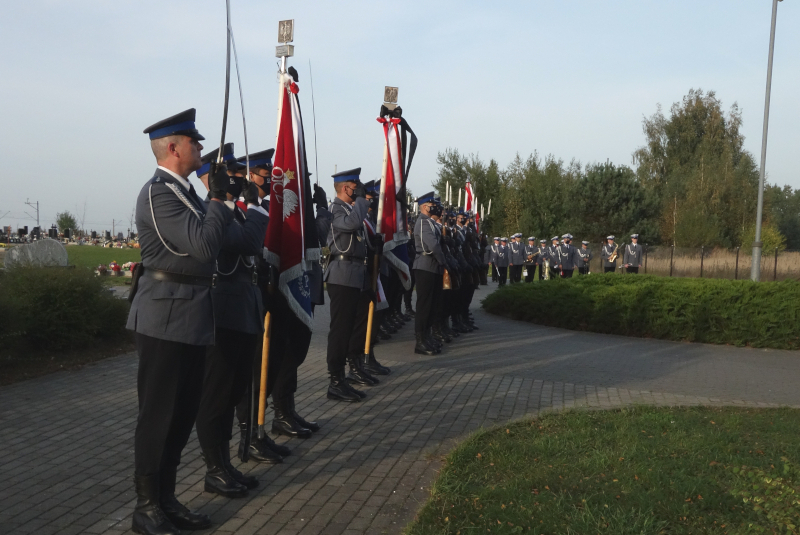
[[755, 267]]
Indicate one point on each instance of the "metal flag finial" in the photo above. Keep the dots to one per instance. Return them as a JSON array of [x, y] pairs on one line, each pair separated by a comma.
[[390, 97], [285, 36]]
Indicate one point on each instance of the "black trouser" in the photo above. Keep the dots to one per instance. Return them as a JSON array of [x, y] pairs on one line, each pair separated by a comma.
[[566, 273], [426, 290], [530, 270], [631, 269], [516, 273], [495, 276], [483, 276], [169, 383], [609, 269], [503, 275], [228, 371], [348, 334], [466, 300], [583, 270]]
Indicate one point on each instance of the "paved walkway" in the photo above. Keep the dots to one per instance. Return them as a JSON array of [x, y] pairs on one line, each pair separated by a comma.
[[66, 439]]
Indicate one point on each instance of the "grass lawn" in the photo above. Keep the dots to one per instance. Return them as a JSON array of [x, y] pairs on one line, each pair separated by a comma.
[[631, 471], [91, 256]]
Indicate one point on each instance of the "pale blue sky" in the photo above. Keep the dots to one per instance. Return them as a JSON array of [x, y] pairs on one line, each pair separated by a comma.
[[81, 79]]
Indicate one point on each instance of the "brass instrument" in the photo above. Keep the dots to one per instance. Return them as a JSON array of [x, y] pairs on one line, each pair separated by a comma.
[[532, 256], [615, 254], [547, 269]]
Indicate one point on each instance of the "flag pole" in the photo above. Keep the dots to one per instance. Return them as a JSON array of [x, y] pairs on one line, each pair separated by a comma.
[[376, 258]]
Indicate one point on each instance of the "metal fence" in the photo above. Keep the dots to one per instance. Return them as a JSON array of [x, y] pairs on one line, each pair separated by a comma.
[[713, 263]]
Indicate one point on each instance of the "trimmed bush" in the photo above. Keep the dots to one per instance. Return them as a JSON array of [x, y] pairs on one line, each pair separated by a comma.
[[56, 308], [714, 311]]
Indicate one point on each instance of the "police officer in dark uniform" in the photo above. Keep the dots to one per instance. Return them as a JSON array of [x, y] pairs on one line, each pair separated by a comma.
[[502, 260], [609, 250], [531, 252], [428, 271], [262, 450], [173, 316], [238, 312], [586, 256], [632, 257], [568, 258], [348, 286]]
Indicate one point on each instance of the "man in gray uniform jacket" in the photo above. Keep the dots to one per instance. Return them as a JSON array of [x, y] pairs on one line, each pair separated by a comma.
[[632, 258], [586, 256], [428, 271], [517, 257], [173, 316], [348, 283], [568, 257], [501, 260], [531, 251], [238, 330], [493, 259], [609, 250]]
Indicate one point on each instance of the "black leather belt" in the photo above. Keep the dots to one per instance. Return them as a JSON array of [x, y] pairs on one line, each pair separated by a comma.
[[169, 276], [348, 258], [247, 275]]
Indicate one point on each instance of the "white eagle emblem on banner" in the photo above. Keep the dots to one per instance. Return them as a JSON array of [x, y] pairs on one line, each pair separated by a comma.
[[290, 200]]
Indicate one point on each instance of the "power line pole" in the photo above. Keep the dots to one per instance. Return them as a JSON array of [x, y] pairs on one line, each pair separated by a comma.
[[755, 267], [29, 203]]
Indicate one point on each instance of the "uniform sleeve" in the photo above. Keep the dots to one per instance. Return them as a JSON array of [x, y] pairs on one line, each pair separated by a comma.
[[247, 238], [201, 239], [344, 222], [626, 257], [431, 244]]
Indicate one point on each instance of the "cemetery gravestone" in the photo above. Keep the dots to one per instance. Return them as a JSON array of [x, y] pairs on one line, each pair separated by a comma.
[[41, 253]]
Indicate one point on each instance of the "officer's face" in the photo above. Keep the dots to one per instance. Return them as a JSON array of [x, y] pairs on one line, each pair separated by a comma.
[[187, 150]]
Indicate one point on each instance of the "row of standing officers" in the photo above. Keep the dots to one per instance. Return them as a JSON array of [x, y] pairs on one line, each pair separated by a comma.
[[560, 259], [206, 281]]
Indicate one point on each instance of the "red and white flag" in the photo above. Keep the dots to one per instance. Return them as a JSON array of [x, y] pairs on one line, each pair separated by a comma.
[[469, 199], [392, 223], [288, 245]]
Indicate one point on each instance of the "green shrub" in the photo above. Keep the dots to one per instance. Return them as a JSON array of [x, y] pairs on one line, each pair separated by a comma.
[[699, 310], [56, 308]]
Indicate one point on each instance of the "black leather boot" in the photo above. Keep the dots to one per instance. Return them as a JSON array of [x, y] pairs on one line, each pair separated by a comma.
[[248, 481], [259, 451], [433, 342], [267, 442], [439, 334], [313, 426], [357, 373], [177, 513], [448, 331], [340, 390], [374, 367], [410, 311], [148, 517], [284, 422], [218, 480], [421, 348], [383, 334]]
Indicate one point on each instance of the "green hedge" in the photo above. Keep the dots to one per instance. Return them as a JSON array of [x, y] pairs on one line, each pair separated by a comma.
[[698, 310], [56, 308]]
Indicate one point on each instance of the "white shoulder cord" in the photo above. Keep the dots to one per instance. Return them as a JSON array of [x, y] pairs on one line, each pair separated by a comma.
[[422, 241], [153, 215], [238, 259], [333, 233]]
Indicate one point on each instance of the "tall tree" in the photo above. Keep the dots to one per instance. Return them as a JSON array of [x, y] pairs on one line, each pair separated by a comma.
[[610, 200], [66, 220], [695, 163]]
